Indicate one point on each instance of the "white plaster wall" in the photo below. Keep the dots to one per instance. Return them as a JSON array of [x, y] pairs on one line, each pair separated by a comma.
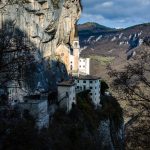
[[76, 44], [62, 97], [1, 21], [67, 102], [95, 91], [84, 66], [72, 61]]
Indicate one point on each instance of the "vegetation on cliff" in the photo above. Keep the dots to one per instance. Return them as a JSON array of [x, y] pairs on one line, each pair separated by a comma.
[[75, 130], [132, 86]]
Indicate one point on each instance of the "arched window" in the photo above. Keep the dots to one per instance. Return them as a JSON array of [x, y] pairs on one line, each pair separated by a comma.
[[71, 51], [76, 44]]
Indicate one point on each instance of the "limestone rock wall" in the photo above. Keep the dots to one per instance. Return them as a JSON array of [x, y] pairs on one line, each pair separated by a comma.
[[105, 135], [46, 22]]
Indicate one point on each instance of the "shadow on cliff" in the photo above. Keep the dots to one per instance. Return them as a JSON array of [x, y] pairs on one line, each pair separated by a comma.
[[23, 61]]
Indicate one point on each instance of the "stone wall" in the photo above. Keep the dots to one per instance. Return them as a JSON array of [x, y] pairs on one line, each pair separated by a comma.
[[38, 109]]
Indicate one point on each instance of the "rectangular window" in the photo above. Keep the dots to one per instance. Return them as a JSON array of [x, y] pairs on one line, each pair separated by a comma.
[[91, 81], [71, 51], [91, 88], [91, 94], [84, 81]]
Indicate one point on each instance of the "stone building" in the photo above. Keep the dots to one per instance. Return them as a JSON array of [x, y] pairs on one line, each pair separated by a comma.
[[66, 94], [15, 92], [69, 55], [91, 83], [37, 107]]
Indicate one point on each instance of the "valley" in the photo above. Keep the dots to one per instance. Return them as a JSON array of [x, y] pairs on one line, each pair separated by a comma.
[[110, 46]]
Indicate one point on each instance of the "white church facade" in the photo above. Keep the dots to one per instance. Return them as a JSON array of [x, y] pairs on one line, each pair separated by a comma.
[[69, 55]]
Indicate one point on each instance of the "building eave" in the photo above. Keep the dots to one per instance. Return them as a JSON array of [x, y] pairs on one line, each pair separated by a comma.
[[88, 77]]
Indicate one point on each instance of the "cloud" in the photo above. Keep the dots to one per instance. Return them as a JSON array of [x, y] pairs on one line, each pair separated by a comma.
[[107, 4], [115, 13], [144, 2]]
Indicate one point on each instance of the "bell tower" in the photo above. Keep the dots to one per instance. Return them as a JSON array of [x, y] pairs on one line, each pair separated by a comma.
[[76, 49]]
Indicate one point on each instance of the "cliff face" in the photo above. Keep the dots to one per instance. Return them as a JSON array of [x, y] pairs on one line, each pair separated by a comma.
[[46, 24]]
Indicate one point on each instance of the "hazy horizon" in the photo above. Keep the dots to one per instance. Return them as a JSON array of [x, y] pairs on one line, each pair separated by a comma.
[[80, 23]]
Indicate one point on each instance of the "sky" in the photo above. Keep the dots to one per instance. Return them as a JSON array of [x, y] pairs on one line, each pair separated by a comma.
[[116, 13]]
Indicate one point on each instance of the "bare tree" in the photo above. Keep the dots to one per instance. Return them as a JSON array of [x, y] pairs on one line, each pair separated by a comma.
[[134, 80], [16, 52], [132, 84]]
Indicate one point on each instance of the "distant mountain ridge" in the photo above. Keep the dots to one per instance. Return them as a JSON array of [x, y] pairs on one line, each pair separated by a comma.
[[98, 39], [90, 28], [93, 26], [104, 44]]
